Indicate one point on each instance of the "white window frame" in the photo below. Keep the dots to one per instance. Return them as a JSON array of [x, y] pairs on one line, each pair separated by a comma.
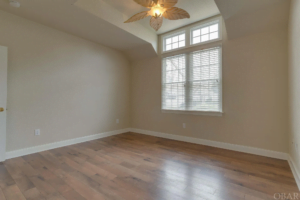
[[164, 45], [188, 35], [189, 47], [202, 26]]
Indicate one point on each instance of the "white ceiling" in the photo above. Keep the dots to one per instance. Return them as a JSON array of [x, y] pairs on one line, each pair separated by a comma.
[[198, 10], [65, 16], [101, 21]]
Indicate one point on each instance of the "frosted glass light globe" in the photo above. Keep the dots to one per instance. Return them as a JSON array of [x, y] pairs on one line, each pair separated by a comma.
[[157, 11]]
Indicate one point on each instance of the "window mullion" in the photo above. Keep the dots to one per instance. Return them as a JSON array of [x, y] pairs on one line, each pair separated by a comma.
[[187, 82]]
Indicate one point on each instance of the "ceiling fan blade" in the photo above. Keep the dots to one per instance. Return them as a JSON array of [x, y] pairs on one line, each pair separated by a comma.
[[167, 3], [175, 13], [156, 23], [137, 17], [146, 3]]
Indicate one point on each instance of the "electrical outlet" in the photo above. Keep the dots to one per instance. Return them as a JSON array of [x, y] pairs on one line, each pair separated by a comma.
[[183, 125], [37, 132], [117, 121]]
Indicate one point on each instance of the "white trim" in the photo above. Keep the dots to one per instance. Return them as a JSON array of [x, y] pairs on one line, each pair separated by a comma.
[[3, 100], [187, 112], [45, 147], [192, 49], [295, 171], [170, 36], [222, 145], [187, 30], [202, 25]]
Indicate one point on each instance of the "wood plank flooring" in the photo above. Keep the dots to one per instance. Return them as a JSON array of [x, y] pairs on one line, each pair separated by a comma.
[[137, 167]]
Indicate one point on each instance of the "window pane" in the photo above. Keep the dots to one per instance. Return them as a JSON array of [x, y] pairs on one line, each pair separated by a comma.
[[174, 45], [204, 56], [204, 87], [168, 66], [169, 47], [214, 57], [205, 96], [174, 42], [196, 33], [172, 76], [204, 38], [204, 30], [175, 39], [174, 79], [214, 72], [204, 73], [205, 33], [181, 37], [174, 96], [214, 28], [168, 41], [196, 40], [213, 36], [181, 44]]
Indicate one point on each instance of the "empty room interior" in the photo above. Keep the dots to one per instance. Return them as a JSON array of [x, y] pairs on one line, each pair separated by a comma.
[[149, 99]]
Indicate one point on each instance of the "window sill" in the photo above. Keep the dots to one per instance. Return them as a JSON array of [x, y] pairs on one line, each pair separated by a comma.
[[207, 113]]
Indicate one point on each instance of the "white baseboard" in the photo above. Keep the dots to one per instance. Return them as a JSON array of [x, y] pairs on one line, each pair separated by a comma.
[[295, 171], [222, 145], [234, 147], [45, 147]]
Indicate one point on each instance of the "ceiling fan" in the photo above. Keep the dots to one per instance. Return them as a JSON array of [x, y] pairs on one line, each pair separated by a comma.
[[158, 10]]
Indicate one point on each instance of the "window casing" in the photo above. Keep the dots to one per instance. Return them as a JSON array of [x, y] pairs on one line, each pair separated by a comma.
[[192, 75]]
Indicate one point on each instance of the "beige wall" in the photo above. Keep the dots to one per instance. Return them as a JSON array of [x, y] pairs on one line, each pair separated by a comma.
[[294, 77], [254, 96], [69, 87], [64, 85]]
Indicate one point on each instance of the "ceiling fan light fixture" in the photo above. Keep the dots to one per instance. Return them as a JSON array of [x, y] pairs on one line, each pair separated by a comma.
[[159, 9]]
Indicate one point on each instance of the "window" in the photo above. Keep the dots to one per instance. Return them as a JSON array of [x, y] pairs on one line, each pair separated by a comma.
[[192, 81], [174, 41], [192, 69], [205, 33]]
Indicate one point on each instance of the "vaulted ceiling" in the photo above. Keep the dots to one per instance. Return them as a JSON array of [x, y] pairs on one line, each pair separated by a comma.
[[101, 21], [198, 10]]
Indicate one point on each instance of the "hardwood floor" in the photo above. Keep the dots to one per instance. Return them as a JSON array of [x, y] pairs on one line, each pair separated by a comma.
[[132, 166]]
